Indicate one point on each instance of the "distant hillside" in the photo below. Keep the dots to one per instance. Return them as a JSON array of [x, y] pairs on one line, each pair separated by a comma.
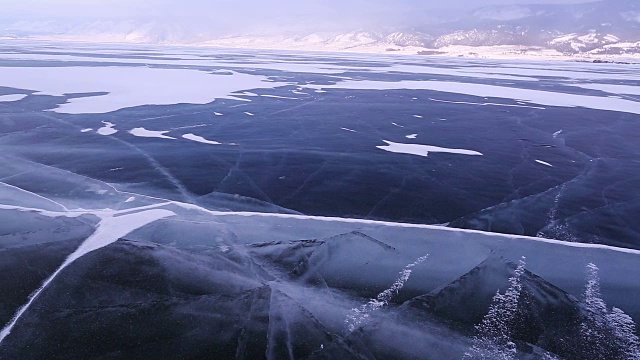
[[602, 27]]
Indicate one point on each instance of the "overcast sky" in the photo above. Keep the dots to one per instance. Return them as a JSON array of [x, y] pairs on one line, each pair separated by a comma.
[[227, 13]]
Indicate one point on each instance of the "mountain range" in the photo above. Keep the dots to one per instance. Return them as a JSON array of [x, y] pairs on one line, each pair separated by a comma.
[[610, 27]]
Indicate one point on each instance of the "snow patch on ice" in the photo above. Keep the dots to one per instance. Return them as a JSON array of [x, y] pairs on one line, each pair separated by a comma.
[[142, 132], [86, 130], [422, 150], [129, 86], [200, 139], [12, 98], [548, 98], [412, 136], [279, 97], [107, 129], [347, 129], [612, 88]]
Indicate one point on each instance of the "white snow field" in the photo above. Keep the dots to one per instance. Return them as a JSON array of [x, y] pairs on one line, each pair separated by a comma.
[[128, 86], [124, 82]]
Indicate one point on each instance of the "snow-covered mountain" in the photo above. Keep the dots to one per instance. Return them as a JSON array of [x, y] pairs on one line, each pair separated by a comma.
[[603, 27]]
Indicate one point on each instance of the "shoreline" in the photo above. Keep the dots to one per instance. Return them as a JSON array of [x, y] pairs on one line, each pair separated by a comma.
[[498, 52]]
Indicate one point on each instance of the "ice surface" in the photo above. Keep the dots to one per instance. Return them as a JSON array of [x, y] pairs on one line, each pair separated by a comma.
[[422, 150], [315, 270], [109, 230], [170, 244]]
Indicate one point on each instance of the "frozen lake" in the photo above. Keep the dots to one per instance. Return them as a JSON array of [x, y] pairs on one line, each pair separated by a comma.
[[203, 178]]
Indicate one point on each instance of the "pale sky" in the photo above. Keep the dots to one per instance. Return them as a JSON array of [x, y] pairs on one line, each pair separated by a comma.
[[132, 8]]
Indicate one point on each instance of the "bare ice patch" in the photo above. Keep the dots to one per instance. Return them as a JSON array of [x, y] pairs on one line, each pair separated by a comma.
[[422, 150], [142, 132]]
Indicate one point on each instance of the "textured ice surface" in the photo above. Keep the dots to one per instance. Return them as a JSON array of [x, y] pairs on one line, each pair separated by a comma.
[[264, 249]]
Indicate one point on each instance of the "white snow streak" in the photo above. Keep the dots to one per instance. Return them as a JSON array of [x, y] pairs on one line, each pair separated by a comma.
[[358, 316], [422, 150], [200, 139], [544, 163]]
